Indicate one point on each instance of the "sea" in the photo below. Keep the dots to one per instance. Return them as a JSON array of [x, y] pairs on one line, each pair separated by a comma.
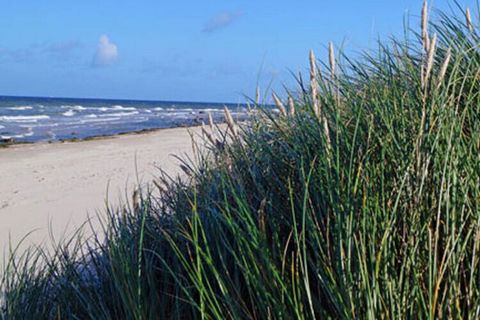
[[36, 119]]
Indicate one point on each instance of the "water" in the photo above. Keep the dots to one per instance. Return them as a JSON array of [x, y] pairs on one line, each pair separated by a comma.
[[28, 119]]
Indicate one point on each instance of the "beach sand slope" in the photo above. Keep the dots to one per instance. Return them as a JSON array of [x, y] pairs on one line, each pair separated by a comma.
[[51, 189]]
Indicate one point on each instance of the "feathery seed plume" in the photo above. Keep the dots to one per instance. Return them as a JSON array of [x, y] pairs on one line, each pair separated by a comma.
[[230, 121], [443, 68], [210, 121], [257, 95], [431, 55], [331, 58], [468, 18], [314, 84], [424, 25], [291, 106], [279, 104], [316, 105]]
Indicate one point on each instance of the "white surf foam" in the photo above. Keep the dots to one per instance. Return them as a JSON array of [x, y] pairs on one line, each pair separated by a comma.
[[102, 120], [210, 110], [120, 114], [117, 108], [21, 108], [17, 136], [69, 113], [76, 108], [40, 125], [24, 118]]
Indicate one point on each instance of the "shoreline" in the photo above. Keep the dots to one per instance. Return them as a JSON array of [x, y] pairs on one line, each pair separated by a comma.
[[5, 145], [53, 188]]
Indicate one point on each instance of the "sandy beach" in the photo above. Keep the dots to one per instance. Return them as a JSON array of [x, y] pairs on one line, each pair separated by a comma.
[[51, 189]]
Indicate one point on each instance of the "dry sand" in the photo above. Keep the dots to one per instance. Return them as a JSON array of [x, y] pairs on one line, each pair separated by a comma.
[[51, 189]]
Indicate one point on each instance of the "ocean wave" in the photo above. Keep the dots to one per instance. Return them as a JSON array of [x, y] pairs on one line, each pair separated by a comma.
[[158, 109], [2, 127], [91, 116], [76, 108], [17, 136], [181, 114], [117, 108], [120, 114], [24, 118], [181, 110], [42, 125], [21, 108], [69, 113], [102, 120], [210, 110]]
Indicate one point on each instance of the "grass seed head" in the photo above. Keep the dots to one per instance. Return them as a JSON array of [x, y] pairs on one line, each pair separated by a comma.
[[230, 122], [313, 65], [443, 68], [291, 106], [331, 58], [424, 25], [279, 104], [430, 58], [468, 18], [314, 84], [210, 121]]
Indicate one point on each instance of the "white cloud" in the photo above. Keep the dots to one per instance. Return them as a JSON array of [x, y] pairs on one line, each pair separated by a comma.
[[106, 53], [221, 21]]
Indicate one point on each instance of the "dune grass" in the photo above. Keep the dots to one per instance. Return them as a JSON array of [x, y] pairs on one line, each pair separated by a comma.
[[362, 200]]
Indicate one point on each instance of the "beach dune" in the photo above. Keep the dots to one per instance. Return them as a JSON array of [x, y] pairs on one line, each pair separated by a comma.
[[49, 190]]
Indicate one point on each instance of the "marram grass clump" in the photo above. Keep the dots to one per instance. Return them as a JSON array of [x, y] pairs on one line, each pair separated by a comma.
[[362, 200]]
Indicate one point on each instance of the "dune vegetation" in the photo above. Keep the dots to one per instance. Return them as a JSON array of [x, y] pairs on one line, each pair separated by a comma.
[[359, 198]]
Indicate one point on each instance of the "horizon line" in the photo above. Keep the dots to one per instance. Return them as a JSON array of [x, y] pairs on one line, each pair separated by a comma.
[[120, 99]]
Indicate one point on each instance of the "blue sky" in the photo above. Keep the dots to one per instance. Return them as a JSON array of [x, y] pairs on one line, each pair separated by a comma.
[[207, 50]]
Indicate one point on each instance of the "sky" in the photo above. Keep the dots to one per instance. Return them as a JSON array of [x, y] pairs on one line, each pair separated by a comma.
[[210, 50]]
